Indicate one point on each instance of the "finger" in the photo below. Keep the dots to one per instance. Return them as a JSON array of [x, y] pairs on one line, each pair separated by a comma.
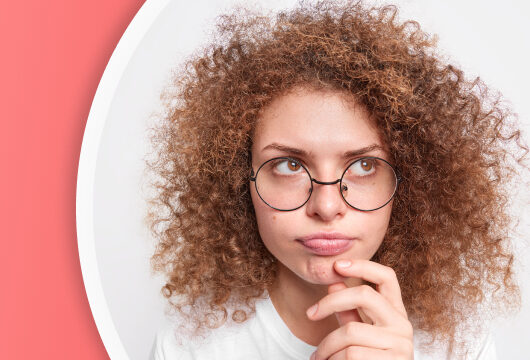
[[363, 296], [358, 314], [382, 276], [336, 287], [357, 334], [344, 317], [361, 353]]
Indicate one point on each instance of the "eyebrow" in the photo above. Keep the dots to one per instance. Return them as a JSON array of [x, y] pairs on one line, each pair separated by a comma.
[[300, 152]]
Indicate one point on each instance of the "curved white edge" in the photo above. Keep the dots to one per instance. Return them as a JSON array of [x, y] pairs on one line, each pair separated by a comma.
[[116, 66]]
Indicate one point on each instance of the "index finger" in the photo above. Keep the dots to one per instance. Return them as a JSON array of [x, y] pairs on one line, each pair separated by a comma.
[[382, 276], [344, 317]]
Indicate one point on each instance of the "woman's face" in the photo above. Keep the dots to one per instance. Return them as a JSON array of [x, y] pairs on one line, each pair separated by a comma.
[[317, 128]]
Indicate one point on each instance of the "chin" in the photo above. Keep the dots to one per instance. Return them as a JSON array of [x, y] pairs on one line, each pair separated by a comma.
[[321, 272]]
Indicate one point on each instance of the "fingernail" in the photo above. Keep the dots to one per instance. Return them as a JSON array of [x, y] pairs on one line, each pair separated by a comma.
[[313, 356], [312, 310], [344, 263]]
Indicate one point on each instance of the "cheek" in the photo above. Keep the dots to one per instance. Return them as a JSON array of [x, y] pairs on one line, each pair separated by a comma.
[[382, 222], [265, 215], [260, 208], [378, 226], [386, 217], [275, 227]]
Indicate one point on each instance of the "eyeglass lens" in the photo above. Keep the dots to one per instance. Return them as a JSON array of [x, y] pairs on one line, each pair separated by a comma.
[[285, 184]]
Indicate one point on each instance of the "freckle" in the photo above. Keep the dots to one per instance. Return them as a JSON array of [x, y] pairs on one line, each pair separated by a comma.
[[273, 217]]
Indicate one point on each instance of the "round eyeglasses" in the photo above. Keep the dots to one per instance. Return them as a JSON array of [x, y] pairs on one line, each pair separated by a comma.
[[285, 184]]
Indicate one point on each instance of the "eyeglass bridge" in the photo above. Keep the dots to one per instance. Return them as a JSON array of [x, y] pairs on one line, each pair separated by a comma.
[[344, 187]]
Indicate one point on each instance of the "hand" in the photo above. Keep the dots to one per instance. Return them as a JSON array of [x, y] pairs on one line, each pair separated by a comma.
[[385, 332]]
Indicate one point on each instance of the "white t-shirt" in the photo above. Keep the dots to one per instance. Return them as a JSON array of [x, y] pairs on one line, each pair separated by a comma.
[[265, 336]]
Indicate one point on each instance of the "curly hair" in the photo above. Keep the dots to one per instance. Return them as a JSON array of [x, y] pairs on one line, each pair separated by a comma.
[[455, 143]]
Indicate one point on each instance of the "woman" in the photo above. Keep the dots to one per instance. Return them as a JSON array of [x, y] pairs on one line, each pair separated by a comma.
[[330, 189]]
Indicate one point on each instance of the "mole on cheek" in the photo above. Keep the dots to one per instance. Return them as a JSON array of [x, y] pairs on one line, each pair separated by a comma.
[[273, 217]]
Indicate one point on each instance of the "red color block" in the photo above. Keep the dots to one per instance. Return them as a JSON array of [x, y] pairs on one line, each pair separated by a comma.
[[53, 54]]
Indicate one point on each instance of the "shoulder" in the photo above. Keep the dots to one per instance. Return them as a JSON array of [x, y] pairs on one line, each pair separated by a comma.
[[235, 339], [486, 350], [166, 346], [481, 348]]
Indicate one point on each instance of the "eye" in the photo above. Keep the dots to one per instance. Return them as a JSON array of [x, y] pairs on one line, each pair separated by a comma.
[[363, 167], [287, 167]]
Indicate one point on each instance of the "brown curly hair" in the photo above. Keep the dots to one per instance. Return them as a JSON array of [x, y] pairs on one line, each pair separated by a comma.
[[455, 143]]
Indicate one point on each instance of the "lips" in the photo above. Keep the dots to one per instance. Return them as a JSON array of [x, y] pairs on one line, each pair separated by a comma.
[[327, 244]]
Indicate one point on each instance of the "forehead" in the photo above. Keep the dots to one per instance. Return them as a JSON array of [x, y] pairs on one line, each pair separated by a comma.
[[327, 122]]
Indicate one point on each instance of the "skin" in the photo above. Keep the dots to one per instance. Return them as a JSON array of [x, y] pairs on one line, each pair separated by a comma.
[[352, 320]]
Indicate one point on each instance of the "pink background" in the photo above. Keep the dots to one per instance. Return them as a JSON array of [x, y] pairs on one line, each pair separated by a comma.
[[52, 56]]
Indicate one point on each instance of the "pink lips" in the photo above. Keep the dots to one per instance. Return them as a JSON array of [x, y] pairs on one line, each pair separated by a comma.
[[323, 243]]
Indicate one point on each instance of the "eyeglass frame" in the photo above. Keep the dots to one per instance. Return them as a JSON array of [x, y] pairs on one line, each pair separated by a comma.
[[396, 173]]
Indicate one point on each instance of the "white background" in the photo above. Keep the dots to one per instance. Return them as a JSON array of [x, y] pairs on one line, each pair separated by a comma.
[[481, 37]]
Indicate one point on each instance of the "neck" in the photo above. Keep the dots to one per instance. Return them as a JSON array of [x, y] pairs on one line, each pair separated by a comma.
[[292, 296]]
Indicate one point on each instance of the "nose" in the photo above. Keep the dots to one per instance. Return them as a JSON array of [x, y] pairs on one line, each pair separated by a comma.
[[326, 201]]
